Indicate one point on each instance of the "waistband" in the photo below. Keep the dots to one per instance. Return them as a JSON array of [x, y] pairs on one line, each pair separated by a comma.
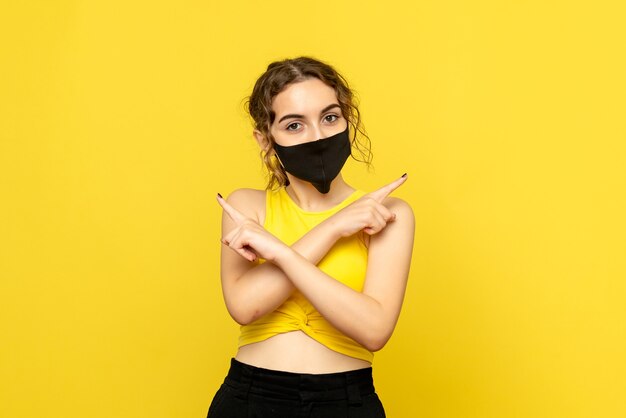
[[304, 387]]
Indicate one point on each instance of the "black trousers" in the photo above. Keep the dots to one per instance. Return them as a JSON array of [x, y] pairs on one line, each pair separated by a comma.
[[254, 392]]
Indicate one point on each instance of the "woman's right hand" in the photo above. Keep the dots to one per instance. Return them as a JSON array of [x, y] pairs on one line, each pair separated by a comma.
[[248, 238], [367, 213]]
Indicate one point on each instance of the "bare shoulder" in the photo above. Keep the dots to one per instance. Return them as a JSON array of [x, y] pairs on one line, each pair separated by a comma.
[[398, 232], [399, 207], [250, 202], [246, 195]]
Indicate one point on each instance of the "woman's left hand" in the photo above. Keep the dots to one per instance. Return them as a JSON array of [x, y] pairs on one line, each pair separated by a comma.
[[249, 239]]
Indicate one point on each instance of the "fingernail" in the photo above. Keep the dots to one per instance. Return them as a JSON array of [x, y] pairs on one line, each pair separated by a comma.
[[404, 175], [220, 196]]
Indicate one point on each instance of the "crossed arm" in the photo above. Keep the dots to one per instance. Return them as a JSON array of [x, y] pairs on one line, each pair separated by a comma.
[[369, 317], [252, 289]]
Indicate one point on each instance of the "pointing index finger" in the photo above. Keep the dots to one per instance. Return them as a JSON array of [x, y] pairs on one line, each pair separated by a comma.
[[386, 190], [233, 213]]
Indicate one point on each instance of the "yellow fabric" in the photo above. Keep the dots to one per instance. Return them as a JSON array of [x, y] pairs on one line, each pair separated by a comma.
[[346, 261]]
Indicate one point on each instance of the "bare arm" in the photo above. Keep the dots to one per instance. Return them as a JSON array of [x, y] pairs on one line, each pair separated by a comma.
[[252, 289], [368, 317]]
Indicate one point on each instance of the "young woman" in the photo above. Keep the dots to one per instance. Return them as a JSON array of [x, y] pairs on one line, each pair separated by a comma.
[[312, 269]]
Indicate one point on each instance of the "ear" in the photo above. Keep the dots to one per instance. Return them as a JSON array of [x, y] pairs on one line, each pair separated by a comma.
[[261, 140]]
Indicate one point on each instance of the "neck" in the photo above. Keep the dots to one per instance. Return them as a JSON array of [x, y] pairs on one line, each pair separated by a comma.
[[305, 195]]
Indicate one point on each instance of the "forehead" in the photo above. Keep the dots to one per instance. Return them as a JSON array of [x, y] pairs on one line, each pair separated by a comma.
[[304, 97]]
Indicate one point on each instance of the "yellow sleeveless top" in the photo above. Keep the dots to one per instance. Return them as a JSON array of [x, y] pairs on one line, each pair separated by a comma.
[[346, 261]]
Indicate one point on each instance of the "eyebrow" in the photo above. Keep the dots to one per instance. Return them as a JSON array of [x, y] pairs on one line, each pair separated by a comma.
[[294, 115]]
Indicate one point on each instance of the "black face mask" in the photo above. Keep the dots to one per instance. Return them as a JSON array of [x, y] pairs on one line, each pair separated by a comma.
[[317, 162]]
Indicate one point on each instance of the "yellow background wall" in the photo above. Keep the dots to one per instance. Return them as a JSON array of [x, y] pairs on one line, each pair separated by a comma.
[[120, 120]]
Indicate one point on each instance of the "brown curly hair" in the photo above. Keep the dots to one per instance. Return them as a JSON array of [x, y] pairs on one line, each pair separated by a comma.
[[278, 76]]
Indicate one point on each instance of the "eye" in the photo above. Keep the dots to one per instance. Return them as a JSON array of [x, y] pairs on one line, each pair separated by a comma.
[[293, 126], [331, 118]]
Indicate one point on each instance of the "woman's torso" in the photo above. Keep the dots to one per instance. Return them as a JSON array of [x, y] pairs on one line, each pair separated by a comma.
[[295, 351]]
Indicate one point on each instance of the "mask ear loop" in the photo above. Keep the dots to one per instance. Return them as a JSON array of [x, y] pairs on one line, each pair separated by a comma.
[[287, 182], [274, 155]]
